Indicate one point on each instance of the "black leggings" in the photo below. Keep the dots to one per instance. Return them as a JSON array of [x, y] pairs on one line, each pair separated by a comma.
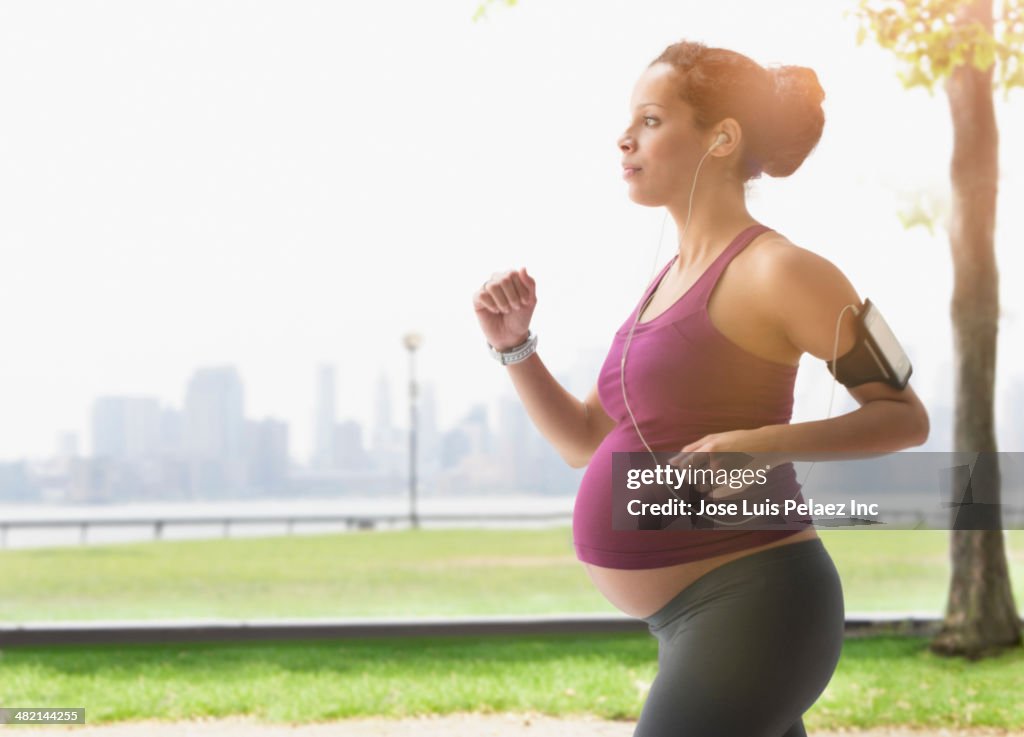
[[747, 648]]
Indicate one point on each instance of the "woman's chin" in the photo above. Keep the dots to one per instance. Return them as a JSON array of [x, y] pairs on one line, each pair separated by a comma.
[[641, 198]]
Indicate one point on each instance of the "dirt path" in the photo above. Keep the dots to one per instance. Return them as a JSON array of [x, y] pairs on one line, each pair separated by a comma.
[[459, 725]]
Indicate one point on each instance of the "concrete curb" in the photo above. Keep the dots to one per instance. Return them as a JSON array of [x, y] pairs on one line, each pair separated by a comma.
[[147, 632]]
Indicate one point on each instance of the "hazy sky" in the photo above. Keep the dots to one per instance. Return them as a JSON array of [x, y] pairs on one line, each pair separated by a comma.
[[277, 184]]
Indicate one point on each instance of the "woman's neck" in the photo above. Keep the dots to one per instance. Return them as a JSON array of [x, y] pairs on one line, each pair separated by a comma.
[[705, 238]]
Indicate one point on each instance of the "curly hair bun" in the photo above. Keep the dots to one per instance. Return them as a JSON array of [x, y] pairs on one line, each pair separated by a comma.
[[779, 109], [796, 122]]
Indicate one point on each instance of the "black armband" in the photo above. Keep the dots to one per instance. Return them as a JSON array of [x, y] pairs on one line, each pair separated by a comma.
[[876, 355]]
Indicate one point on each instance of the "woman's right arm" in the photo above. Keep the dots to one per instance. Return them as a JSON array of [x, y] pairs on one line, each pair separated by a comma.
[[573, 427], [504, 306]]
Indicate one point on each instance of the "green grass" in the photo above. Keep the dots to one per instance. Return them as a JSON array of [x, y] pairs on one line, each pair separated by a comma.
[[883, 681], [408, 573]]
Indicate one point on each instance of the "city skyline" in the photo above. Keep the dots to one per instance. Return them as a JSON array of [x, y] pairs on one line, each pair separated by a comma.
[[210, 449], [327, 419]]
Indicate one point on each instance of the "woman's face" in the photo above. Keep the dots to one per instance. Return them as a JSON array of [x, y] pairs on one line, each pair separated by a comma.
[[661, 147]]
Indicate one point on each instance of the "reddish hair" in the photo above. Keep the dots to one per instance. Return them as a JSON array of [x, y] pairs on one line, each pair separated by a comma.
[[779, 109]]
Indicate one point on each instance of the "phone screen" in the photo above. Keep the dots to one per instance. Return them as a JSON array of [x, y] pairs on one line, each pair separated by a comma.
[[886, 341]]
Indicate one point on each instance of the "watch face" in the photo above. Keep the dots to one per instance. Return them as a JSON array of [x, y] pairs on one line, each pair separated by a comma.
[[887, 344]]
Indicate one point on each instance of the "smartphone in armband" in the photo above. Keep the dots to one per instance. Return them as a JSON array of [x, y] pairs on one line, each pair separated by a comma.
[[876, 356]]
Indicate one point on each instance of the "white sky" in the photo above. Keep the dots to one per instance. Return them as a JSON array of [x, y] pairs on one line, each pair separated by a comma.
[[276, 184]]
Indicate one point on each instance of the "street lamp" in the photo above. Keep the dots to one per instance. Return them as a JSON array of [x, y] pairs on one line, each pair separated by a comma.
[[412, 341]]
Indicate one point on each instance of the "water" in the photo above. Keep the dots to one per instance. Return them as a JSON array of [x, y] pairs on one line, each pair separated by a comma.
[[495, 510]]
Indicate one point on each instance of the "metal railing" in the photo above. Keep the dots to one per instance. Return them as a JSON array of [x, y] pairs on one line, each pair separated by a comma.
[[912, 520], [351, 521]]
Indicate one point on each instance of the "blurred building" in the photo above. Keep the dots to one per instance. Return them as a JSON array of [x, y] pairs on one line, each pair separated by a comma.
[[214, 425], [428, 443], [348, 451], [125, 428], [324, 419], [468, 462], [17, 484], [267, 456], [389, 446]]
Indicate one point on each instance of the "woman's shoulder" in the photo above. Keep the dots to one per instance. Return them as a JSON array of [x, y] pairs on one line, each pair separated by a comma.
[[781, 264], [802, 290]]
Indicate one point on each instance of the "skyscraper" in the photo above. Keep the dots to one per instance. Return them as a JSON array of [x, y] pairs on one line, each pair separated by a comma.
[[349, 453], [125, 428], [214, 413], [387, 447], [268, 454], [429, 450], [382, 419], [324, 419], [215, 431]]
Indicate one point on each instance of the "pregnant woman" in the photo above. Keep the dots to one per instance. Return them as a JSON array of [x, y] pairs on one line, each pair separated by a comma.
[[749, 622]]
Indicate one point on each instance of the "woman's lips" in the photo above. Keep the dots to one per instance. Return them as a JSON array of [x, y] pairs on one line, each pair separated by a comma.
[[629, 173]]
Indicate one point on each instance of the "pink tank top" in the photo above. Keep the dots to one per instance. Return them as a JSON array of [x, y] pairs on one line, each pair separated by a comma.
[[684, 379]]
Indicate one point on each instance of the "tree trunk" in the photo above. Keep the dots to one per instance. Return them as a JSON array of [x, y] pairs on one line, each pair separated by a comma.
[[981, 617]]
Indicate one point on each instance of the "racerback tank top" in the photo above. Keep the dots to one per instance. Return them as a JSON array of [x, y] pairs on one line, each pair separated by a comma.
[[684, 379]]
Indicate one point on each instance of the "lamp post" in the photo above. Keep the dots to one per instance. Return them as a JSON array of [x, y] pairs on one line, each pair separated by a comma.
[[412, 341]]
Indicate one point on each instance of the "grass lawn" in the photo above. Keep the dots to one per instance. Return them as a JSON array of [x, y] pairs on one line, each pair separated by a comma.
[[881, 681], [408, 573]]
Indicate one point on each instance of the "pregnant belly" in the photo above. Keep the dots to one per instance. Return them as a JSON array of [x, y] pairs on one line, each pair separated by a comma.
[[643, 584], [642, 592]]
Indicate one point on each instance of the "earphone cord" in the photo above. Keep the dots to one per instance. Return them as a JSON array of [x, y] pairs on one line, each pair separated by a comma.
[[832, 394], [636, 320], [639, 311]]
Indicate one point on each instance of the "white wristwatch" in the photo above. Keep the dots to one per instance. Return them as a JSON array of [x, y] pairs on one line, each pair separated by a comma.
[[519, 353]]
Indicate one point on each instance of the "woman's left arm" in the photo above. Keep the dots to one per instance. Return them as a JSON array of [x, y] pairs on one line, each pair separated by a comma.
[[805, 294]]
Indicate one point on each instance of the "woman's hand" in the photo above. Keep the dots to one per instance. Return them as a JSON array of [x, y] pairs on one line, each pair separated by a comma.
[[721, 451], [504, 306], [732, 441]]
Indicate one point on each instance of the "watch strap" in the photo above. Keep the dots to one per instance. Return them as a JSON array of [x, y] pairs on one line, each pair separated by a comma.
[[517, 353]]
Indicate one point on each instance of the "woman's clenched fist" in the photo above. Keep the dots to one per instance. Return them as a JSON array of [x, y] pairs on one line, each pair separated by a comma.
[[504, 306]]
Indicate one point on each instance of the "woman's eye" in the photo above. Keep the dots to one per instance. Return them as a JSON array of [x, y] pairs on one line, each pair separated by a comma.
[[649, 118]]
